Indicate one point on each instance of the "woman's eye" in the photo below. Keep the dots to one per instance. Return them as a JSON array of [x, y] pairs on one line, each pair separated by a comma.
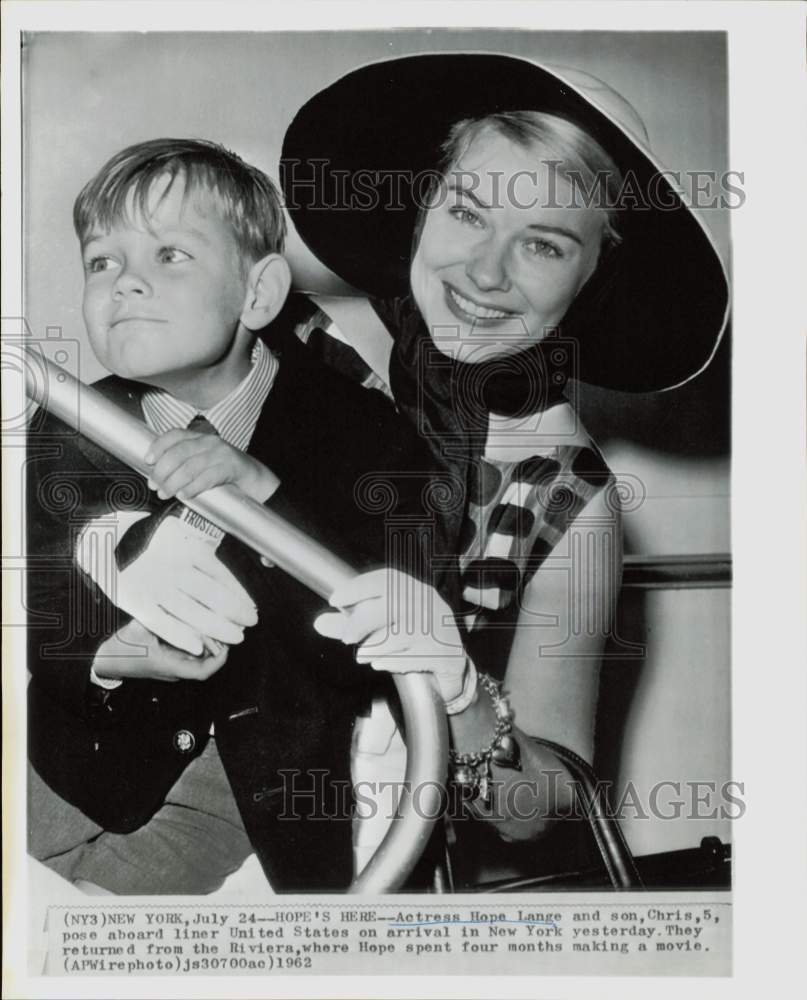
[[466, 215], [100, 263], [543, 248], [172, 255]]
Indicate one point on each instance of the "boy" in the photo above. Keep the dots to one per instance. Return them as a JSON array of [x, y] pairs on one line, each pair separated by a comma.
[[182, 245]]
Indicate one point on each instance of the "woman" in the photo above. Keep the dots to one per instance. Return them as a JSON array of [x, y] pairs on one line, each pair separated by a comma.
[[514, 233]]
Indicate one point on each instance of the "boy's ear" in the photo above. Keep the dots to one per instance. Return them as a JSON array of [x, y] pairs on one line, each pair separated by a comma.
[[268, 287]]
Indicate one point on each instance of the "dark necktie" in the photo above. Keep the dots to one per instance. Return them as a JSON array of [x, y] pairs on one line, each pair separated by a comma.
[[201, 425]]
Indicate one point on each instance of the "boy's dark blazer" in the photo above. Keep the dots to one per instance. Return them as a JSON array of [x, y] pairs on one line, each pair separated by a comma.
[[285, 702]]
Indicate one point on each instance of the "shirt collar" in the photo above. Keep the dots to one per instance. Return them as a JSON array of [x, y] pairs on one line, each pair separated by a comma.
[[233, 417]]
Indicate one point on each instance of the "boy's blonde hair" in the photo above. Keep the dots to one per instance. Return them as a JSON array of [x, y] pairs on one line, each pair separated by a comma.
[[245, 197]]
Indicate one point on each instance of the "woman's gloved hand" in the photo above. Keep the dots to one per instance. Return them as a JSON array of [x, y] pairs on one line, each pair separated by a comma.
[[403, 625]]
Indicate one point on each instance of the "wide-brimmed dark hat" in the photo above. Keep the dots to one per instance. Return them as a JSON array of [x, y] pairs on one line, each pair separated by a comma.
[[353, 166]]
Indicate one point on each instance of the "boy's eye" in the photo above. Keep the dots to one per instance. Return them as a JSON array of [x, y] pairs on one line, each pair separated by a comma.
[[172, 255], [543, 248], [100, 263]]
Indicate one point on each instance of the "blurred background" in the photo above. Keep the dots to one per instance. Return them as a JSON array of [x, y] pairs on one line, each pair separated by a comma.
[[664, 712]]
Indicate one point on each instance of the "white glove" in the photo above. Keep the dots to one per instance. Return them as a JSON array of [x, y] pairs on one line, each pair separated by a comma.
[[177, 587], [404, 626]]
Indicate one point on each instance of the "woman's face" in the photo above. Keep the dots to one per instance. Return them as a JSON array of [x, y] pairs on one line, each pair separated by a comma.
[[504, 250]]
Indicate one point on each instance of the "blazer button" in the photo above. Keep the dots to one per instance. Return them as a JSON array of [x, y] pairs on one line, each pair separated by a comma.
[[184, 741]]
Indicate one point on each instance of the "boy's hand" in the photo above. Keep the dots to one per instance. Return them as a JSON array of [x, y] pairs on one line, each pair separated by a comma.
[[177, 587], [404, 627], [135, 652], [186, 463]]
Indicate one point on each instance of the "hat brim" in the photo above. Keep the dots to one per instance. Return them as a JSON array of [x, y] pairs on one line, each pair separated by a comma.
[[651, 321]]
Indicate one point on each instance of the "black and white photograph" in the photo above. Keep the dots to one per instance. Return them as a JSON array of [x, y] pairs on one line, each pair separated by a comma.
[[373, 511]]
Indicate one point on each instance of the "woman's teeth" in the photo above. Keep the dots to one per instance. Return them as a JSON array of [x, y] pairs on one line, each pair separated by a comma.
[[472, 309]]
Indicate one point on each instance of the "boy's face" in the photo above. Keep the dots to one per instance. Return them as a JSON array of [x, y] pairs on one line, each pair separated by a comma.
[[503, 252], [163, 295]]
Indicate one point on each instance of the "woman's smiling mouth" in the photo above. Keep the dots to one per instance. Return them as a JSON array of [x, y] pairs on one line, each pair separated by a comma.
[[473, 312]]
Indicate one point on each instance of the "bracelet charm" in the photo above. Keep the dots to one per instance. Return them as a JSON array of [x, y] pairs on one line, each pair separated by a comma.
[[471, 771], [507, 753]]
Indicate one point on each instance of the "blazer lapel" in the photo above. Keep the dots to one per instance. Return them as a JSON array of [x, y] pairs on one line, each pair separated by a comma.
[[126, 395]]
